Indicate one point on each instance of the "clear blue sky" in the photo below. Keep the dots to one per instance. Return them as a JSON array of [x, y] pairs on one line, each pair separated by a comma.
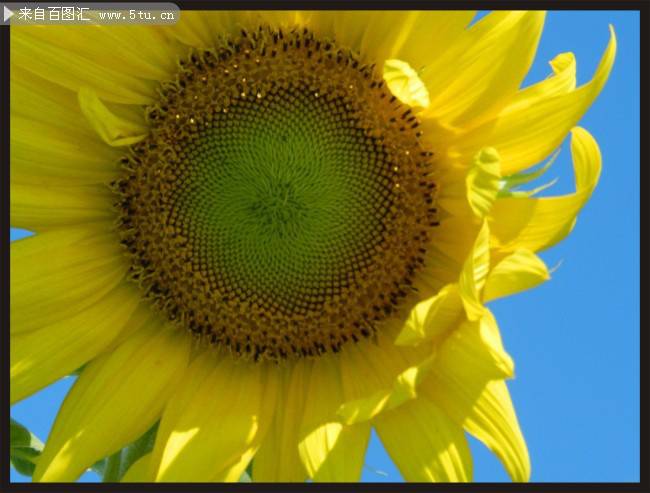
[[575, 339]]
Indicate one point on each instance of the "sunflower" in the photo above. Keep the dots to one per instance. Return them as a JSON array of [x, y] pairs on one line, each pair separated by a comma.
[[272, 232]]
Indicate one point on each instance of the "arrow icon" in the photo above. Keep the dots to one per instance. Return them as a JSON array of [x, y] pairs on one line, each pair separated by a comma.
[[7, 13]]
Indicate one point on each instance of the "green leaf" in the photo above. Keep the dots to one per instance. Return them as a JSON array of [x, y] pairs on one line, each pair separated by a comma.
[[247, 475], [114, 467], [19, 436], [99, 467], [142, 446], [25, 448], [24, 460]]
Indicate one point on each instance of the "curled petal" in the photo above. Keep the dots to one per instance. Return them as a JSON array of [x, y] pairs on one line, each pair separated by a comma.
[[539, 223]]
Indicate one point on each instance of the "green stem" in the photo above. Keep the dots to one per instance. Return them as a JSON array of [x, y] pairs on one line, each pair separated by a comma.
[[112, 469]]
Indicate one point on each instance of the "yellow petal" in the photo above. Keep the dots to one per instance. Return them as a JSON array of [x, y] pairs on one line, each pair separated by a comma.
[[368, 373], [139, 471], [401, 34], [44, 355], [484, 68], [518, 272], [235, 472], [474, 349], [56, 275], [117, 398], [562, 81], [43, 154], [334, 452], [283, 19], [69, 69], [35, 98], [380, 35], [405, 84], [423, 36], [522, 178], [466, 382], [113, 130], [219, 415], [385, 32], [474, 273], [330, 451], [483, 181], [528, 135], [44, 207], [433, 317], [424, 443], [113, 47], [404, 388], [539, 223], [277, 459], [192, 29], [485, 410], [348, 29], [203, 29], [207, 29]]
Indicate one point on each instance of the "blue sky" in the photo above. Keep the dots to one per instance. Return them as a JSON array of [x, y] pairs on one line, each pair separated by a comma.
[[575, 339]]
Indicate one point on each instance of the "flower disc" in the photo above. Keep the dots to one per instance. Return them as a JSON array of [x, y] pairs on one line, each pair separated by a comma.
[[282, 203]]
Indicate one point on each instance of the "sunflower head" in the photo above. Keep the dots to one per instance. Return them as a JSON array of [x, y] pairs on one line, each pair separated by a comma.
[[283, 202], [264, 234]]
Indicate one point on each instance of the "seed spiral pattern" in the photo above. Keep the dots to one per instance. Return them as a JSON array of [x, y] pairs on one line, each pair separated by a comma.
[[283, 201]]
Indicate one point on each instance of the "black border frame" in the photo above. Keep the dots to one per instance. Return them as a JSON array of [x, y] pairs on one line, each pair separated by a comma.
[[643, 7]]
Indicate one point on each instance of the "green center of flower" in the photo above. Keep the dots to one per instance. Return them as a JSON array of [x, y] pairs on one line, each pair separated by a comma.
[[285, 202], [282, 204]]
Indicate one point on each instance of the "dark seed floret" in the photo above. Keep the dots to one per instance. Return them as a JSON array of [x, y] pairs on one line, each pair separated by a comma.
[[280, 207]]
